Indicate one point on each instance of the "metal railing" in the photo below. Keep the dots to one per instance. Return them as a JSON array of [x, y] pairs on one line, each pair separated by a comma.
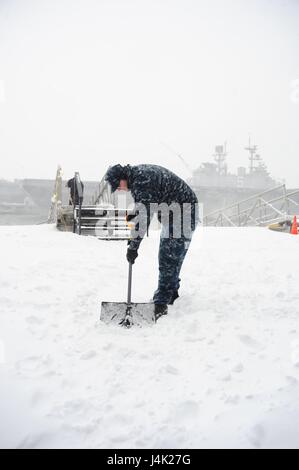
[[103, 194], [272, 205], [106, 223]]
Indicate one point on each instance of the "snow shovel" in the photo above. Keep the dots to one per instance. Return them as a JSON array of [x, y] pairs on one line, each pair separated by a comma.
[[128, 314]]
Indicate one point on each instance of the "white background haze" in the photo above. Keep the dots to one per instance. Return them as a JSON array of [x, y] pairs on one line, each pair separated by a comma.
[[90, 83]]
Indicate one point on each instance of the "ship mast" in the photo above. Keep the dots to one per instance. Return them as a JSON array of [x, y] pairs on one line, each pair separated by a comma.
[[253, 156]]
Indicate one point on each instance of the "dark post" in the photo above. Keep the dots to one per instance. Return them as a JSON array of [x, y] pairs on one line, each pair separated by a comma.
[[79, 192]]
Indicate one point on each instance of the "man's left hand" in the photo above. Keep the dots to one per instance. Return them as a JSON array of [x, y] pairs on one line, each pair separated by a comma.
[[132, 255]]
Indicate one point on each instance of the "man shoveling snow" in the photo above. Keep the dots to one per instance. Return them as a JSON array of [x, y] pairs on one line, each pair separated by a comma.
[[157, 190]]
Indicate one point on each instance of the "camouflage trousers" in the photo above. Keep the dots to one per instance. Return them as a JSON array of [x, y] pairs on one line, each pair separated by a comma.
[[172, 253]]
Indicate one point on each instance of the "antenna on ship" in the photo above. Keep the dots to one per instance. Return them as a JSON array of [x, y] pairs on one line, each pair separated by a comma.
[[253, 156]]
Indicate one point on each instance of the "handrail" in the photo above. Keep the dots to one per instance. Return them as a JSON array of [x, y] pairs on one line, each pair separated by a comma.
[[103, 195], [243, 215], [246, 200]]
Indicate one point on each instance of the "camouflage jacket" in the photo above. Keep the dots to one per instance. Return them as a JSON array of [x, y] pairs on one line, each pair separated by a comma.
[[153, 184]]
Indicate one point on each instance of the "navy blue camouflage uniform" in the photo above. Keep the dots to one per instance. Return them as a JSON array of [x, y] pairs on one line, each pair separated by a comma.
[[154, 184]]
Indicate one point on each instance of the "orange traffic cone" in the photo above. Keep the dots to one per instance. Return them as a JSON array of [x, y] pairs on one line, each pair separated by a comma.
[[294, 229]]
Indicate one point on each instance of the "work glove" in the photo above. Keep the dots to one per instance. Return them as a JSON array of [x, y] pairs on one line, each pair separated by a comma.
[[130, 217], [131, 255]]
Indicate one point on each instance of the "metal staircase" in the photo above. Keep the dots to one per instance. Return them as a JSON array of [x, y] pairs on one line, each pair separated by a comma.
[[103, 222], [100, 218]]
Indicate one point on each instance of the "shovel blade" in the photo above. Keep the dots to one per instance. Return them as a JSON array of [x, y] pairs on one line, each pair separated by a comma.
[[115, 312]]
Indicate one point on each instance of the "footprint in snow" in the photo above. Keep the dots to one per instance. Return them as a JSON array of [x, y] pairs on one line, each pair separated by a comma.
[[238, 368], [291, 380], [280, 295], [232, 399], [6, 302], [194, 339], [4, 284], [33, 364], [226, 378], [186, 411], [34, 440], [36, 397], [34, 320], [257, 435], [169, 369], [42, 288], [250, 342], [192, 328], [88, 355]]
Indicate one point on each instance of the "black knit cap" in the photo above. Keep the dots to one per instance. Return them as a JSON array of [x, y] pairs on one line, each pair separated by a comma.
[[115, 174]]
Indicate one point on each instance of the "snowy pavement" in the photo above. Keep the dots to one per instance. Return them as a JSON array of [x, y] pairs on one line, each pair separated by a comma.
[[222, 370]]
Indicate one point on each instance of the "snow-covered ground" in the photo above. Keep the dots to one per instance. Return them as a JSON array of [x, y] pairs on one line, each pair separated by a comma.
[[222, 370]]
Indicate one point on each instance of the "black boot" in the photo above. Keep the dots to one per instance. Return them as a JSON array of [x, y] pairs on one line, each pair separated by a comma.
[[174, 296], [160, 309]]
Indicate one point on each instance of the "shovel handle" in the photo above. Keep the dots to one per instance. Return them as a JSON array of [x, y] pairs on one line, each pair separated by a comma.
[[129, 299]]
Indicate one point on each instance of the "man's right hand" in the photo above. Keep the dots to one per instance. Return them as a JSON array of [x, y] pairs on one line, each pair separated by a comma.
[[131, 255]]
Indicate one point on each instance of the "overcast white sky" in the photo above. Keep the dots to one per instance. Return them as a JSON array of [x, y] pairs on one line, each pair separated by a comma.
[[89, 83]]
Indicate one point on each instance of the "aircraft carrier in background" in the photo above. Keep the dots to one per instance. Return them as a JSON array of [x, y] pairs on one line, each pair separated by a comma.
[[27, 201]]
